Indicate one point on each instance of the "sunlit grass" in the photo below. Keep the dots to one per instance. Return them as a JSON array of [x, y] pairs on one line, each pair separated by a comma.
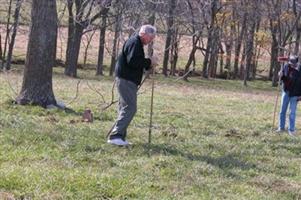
[[212, 139]]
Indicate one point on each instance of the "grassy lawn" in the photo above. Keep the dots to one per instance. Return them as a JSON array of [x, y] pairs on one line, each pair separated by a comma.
[[212, 139]]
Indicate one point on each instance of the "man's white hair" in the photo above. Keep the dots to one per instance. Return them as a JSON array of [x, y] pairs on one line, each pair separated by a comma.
[[147, 29]]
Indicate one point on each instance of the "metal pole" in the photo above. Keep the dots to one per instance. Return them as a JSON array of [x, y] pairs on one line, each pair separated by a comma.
[[151, 109], [280, 59]]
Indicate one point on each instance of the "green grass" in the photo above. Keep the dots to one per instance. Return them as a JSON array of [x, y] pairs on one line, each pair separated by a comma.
[[211, 139]]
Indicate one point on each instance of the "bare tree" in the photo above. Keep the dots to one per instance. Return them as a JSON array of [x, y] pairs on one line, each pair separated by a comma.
[[212, 29], [7, 32], [13, 37], [37, 80], [238, 44], [87, 11], [102, 36], [1, 58], [169, 34], [281, 31], [118, 10], [249, 49]]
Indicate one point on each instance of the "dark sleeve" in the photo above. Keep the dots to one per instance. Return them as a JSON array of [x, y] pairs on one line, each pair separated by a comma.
[[135, 57], [284, 78]]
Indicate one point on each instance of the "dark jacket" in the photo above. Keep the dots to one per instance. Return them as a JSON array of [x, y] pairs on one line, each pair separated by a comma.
[[291, 80], [131, 61]]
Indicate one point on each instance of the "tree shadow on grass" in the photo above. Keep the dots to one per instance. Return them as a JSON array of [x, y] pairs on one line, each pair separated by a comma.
[[225, 162]]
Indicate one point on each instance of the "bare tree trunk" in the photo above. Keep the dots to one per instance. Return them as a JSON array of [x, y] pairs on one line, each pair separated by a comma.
[[89, 40], [13, 37], [7, 33], [228, 55], [274, 55], [174, 53], [37, 80], [249, 51], [1, 58], [210, 37], [151, 20], [73, 51], [229, 46], [298, 37], [298, 30], [102, 36], [195, 40], [238, 46], [221, 64], [242, 63], [169, 35], [76, 26], [115, 41], [256, 51], [214, 53]]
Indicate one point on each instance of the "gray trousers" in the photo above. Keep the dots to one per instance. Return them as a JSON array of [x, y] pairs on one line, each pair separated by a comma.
[[127, 107]]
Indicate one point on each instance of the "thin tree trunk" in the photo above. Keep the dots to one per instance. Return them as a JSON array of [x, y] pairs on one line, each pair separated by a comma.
[[1, 58], [7, 33], [151, 20], [238, 46], [115, 41], [102, 37], [221, 64], [249, 52], [169, 35], [242, 63], [89, 40], [298, 37], [174, 53], [13, 37]]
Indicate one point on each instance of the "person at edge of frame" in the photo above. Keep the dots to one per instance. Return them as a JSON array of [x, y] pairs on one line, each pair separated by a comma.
[[290, 75]]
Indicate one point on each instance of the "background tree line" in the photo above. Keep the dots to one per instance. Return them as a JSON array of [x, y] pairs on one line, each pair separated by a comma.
[[231, 39]]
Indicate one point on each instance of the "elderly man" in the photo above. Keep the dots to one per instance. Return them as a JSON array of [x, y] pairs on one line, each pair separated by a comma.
[[129, 70]]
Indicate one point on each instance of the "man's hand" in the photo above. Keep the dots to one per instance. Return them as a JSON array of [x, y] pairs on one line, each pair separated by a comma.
[[280, 73], [154, 60]]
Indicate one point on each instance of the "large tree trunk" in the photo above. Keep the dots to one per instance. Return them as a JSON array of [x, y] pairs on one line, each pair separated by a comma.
[[169, 35], [37, 80], [13, 37]]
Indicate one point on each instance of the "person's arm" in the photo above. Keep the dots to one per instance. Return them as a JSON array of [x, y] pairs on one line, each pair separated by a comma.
[[281, 73], [135, 57]]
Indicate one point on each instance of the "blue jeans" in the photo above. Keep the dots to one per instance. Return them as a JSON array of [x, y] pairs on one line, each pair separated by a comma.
[[292, 102]]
